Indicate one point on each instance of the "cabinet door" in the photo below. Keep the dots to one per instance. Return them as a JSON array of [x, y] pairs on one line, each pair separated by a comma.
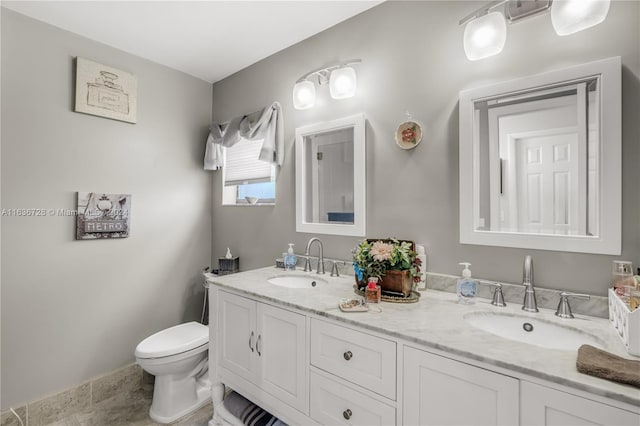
[[237, 336], [541, 405], [440, 391], [281, 350]]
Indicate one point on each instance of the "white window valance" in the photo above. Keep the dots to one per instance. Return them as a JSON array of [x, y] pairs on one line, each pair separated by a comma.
[[266, 125]]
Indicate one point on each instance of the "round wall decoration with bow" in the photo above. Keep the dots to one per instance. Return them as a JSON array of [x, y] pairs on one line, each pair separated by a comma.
[[409, 133]]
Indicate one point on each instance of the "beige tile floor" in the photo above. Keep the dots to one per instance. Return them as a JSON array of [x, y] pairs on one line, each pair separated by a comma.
[[130, 409]]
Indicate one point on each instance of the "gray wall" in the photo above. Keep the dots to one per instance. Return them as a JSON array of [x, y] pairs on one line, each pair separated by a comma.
[[72, 310], [413, 59]]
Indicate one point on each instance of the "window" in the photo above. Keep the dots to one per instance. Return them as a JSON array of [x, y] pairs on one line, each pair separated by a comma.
[[247, 180]]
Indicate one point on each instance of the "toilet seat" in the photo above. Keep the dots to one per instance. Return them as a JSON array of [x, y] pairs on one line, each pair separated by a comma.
[[188, 337]]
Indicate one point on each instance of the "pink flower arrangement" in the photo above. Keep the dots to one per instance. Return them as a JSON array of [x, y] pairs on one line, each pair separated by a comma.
[[374, 258], [381, 251]]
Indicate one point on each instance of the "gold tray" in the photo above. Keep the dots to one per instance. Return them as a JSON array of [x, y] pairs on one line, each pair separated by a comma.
[[412, 298]]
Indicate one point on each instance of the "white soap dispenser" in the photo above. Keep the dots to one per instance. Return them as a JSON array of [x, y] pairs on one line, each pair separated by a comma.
[[290, 259], [467, 287]]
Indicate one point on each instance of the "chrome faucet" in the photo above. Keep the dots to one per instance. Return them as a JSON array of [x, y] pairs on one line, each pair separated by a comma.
[[529, 304], [307, 262]]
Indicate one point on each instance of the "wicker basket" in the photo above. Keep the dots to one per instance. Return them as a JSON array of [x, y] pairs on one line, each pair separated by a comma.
[[626, 323]]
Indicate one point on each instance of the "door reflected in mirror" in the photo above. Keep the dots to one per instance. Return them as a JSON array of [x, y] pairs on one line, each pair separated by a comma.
[[542, 173], [540, 161], [330, 177]]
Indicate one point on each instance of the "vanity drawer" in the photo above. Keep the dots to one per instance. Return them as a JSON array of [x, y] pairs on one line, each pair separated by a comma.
[[358, 357], [333, 403]]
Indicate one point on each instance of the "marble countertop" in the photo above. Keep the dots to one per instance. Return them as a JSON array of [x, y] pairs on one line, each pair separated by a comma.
[[437, 321]]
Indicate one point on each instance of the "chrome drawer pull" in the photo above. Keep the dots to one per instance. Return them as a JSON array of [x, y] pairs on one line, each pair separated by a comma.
[[347, 355], [251, 342], [347, 414]]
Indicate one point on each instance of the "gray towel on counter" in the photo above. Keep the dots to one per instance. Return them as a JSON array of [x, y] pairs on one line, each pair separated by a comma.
[[598, 363]]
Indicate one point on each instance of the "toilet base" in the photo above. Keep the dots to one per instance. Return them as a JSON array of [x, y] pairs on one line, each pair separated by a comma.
[[173, 399]]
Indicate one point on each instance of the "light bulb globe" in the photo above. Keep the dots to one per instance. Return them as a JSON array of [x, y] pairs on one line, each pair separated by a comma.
[[571, 16], [342, 83], [485, 36], [304, 95]]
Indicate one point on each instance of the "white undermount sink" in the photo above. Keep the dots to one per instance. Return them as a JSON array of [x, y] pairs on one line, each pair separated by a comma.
[[296, 281], [533, 331]]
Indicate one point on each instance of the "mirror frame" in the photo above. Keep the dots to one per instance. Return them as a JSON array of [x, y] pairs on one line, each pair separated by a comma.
[[358, 228], [610, 150]]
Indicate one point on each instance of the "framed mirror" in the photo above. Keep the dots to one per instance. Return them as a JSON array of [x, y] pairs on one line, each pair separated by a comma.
[[540, 161], [331, 177]]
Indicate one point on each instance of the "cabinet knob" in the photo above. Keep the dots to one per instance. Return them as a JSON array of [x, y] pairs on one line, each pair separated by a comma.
[[251, 342], [347, 414], [347, 355]]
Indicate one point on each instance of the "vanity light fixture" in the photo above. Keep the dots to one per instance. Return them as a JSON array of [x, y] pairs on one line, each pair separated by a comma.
[[485, 32], [340, 77]]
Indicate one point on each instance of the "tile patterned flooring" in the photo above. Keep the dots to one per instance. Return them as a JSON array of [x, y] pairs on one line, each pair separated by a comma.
[[130, 409], [119, 398]]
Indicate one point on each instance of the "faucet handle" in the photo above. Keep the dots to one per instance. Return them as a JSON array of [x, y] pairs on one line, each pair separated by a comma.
[[498, 298], [564, 309], [334, 268]]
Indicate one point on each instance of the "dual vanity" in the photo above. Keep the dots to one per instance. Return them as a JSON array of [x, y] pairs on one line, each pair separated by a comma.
[[285, 345], [535, 173]]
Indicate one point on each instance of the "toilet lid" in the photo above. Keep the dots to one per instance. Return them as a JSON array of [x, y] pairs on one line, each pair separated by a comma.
[[174, 340]]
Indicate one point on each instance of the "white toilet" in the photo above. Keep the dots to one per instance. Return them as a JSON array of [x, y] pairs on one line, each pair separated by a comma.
[[178, 358]]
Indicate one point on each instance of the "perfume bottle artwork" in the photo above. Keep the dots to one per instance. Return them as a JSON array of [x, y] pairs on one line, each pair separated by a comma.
[[106, 93]]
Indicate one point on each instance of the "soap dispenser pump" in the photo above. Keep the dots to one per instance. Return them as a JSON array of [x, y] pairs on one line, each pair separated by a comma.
[[467, 287]]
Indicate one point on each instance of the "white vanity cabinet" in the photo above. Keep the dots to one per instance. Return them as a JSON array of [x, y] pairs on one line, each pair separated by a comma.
[[441, 391], [541, 405], [266, 346], [311, 369]]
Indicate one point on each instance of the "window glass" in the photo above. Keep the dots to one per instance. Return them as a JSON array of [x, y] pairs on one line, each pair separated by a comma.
[[246, 179]]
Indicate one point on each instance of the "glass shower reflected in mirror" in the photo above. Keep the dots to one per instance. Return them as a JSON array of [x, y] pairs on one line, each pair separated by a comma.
[[329, 180]]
